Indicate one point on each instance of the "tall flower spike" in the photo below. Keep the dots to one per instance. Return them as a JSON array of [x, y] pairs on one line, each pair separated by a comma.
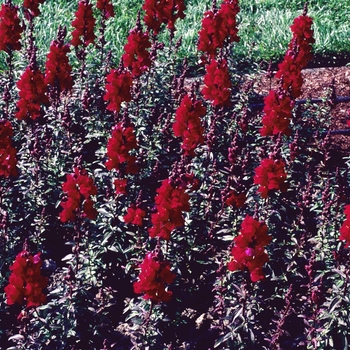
[[26, 282], [33, 6], [163, 11], [84, 24], [249, 249], [106, 7], [58, 69], [188, 124], [10, 28], [155, 275]]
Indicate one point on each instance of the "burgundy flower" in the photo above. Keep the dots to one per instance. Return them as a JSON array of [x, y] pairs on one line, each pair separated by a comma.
[[134, 216], [10, 28], [171, 201], [120, 186], [217, 83], [79, 188], [270, 175], [249, 249], [154, 276], [163, 11], [8, 154], [106, 6], [58, 69], [33, 6], [84, 24], [236, 200], [32, 92], [345, 228], [188, 124], [122, 141], [278, 113], [26, 282], [136, 56], [118, 89]]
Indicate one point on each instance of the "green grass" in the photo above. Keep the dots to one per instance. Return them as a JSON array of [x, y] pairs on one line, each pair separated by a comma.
[[264, 27]]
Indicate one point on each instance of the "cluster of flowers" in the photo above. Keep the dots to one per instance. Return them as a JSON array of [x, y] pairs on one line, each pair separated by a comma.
[[10, 28], [219, 26], [158, 12], [26, 282], [33, 6], [8, 160], [84, 24], [279, 104], [236, 200], [106, 7], [118, 89], [79, 188], [187, 124], [270, 175], [155, 274], [345, 228], [249, 249], [122, 141], [134, 215], [136, 57], [217, 84], [171, 200], [32, 92], [58, 69]]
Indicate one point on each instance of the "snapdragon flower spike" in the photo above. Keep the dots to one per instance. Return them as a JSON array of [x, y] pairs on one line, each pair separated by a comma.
[[58, 69], [270, 175], [249, 249], [345, 228], [26, 283], [122, 141], [8, 154], [120, 186], [236, 200], [171, 201], [277, 114], [118, 89], [158, 12], [217, 84], [33, 6], [10, 28], [79, 188], [134, 215], [136, 57], [84, 24], [32, 92], [154, 276], [106, 7], [218, 27], [188, 124]]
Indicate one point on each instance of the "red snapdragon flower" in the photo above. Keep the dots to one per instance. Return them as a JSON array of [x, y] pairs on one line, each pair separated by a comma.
[[8, 160], [33, 6], [236, 200], [188, 124], [120, 186], [134, 216], [26, 282], [58, 69], [171, 201], [249, 249], [136, 57], [84, 24], [32, 92], [163, 11], [217, 83], [106, 7], [10, 28], [218, 26], [122, 141], [118, 89], [154, 276], [278, 113], [270, 175], [79, 188], [345, 228]]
